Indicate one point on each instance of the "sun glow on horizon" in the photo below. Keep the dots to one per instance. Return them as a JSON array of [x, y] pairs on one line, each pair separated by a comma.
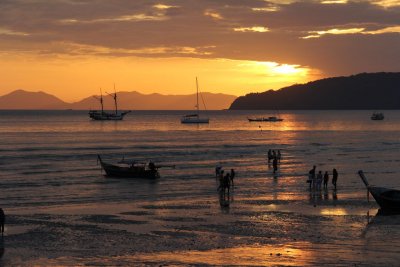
[[74, 77]]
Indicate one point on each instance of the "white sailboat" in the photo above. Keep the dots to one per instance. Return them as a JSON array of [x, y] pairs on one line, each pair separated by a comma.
[[195, 118]]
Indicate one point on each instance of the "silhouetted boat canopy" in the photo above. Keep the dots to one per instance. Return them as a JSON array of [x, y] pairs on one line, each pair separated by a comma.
[[388, 199]]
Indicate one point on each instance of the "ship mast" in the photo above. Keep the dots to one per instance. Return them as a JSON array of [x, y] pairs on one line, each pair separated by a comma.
[[101, 101], [115, 100], [197, 97]]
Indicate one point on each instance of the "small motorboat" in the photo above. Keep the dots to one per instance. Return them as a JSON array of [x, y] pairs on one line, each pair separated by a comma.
[[377, 116], [270, 119], [388, 199], [130, 169]]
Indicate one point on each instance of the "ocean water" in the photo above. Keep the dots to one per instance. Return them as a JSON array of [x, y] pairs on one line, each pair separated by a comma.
[[52, 188]]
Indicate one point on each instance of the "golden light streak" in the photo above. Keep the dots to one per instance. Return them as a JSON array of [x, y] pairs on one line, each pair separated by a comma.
[[266, 9], [317, 34], [394, 29], [213, 14], [334, 2], [251, 29], [162, 6], [333, 211], [124, 18], [4, 31], [387, 3]]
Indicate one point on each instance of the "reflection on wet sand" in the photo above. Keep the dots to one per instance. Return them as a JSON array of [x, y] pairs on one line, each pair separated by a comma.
[[265, 255], [317, 197], [1, 246]]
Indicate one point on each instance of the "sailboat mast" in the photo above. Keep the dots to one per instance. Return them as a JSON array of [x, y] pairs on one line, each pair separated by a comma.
[[197, 96], [115, 100], [101, 101]]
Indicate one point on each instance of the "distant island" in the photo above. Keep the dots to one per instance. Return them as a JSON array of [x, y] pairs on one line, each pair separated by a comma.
[[361, 91], [21, 99]]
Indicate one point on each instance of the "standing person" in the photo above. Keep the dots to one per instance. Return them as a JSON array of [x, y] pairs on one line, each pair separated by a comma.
[[326, 180], [217, 170], [319, 180], [2, 220], [232, 175], [221, 180], [269, 155], [334, 177], [273, 154], [275, 164], [311, 177], [279, 155]]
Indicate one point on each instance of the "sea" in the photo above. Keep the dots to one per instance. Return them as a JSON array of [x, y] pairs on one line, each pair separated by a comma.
[[62, 211]]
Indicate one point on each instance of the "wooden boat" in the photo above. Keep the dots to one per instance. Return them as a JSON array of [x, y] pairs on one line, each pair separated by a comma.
[[130, 169], [270, 119], [195, 118], [102, 115], [377, 116], [388, 199]]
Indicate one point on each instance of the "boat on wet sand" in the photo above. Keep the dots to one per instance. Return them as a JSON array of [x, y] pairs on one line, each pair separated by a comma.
[[388, 199], [130, 169]]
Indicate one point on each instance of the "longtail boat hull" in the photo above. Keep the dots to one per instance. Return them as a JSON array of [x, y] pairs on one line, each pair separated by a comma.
[[388, 199], [128, 172]]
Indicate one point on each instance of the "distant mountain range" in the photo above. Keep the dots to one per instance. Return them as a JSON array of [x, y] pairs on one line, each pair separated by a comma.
[[361, 91], [21, 99]]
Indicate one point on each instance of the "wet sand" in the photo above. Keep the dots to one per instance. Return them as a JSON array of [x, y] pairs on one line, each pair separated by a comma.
[[250, 232]]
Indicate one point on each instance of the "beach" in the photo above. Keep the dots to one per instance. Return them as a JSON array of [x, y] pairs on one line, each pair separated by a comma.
[[62, 211]]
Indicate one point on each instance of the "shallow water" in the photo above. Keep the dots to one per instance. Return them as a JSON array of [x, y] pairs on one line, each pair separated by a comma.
[[63, 211]]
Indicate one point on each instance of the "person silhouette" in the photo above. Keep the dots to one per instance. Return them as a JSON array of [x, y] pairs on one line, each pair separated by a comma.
[[2, 221], [275, 164], [334, 177], [326, 179]]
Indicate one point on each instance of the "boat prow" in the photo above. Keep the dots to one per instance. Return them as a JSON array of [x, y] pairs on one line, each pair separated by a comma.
[[388, 199]]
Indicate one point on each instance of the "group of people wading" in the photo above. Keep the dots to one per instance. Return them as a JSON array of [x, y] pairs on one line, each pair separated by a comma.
[[275, 156], [315, 180]]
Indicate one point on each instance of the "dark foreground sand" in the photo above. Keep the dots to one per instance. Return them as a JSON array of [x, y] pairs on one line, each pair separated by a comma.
[[256, 232]]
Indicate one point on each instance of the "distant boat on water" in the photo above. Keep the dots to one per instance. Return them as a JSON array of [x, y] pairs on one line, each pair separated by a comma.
[[195, 117], [377, 116], [268, 119], [107, 116]]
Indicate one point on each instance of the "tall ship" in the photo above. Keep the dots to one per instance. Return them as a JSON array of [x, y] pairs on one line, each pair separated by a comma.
[[101, 115], [195, 117]]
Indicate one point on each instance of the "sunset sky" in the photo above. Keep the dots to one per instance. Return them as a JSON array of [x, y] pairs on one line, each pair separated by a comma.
[[71, 48]]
